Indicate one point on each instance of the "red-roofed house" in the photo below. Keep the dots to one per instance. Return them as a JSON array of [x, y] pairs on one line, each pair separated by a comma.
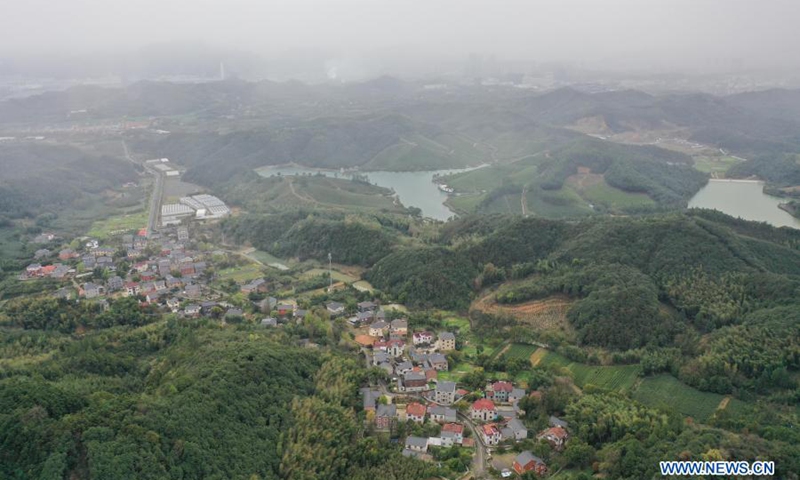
[[483, 409], [490, 434], [420, 338], [415, 412], [555, 436], [499, 391], [457, 429]]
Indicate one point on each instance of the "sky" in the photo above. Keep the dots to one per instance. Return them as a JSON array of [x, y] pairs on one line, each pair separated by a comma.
[[647, 34]]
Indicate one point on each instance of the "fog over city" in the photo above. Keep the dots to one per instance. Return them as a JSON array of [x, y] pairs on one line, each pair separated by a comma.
[[352, 38]]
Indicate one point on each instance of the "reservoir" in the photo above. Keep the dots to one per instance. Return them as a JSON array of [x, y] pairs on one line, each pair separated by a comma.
[[415, 189], [745, 199]]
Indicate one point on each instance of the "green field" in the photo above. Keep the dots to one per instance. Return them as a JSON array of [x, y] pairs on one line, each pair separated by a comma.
[[614, 198], [561, 203], [620, 378], [267, 258], [118, 224], [668, 393], [464, 204], [337, 276], [718, 165], [241, 274], [520, 350]]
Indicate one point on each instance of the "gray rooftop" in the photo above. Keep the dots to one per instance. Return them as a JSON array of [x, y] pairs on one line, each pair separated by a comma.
[[418, 442], [525, 457], [446, 387]]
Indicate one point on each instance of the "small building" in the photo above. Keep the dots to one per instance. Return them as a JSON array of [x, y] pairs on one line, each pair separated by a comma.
[[438, 361], [191, 310], [483, 410], [269, 322], [41, 253], [395, 348], [445, 393], [447, 341], [91, 290], [555, 436], [399, 326], [456, 429], [499, 391], [401, 368], [490, 434], [367, 306], [67, 254], [516, 395], [258, 285], [422, 338], [440, 414], [412, 382], [415, 412], [417, 444], [377, 329], [369, 398], [173, 304], [335, 309], [114, 283], [514, 430], [384, 416], [528, 462]]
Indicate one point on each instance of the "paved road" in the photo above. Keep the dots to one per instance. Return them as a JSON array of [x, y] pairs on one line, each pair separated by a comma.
[[481, 454], [157, 194]]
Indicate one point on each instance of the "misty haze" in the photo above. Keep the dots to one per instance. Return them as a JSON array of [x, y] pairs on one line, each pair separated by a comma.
[[361, 239]]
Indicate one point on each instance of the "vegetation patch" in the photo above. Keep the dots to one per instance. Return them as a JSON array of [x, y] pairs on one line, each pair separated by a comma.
[[666, 392]]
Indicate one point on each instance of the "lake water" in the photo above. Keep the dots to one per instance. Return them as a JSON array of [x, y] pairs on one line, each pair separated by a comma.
[[415, 189], [745, 199]]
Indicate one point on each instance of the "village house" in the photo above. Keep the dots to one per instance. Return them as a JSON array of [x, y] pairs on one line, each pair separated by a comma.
[[395, 348], [131, 289], [445, 439], [90, 290], [114, 283], [516, 395], [399, 326], [259, 285], [377, 329], [364, 317], [456, 429], [173, 304], [445, 393], [447, 341], [499, 391], [555, 436], [514, 430], [422, 338], [438, 361], [41, 253], [370, 398], [284, 308], [483, 410], [403, 367], [528, 462], [415, 412], [416, 444], [335, 309], [440, 414], [490, 434], [384, 416], [88, 261], [412, 382], [191, 310], [367, 306], [269, 322], [380, 357], [67, 254], [192, 291], [34, 270], [60, 271]]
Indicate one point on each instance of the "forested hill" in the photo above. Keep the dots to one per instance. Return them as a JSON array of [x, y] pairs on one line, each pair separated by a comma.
[[635, 281]]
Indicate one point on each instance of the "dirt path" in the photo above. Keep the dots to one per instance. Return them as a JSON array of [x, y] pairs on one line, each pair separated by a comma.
[[522, 201], [724, 403]]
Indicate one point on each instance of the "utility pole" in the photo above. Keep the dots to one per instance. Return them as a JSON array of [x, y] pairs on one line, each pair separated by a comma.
[[330, 273]]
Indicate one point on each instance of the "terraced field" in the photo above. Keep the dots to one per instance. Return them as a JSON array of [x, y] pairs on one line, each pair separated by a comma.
[[668, 393], [620, 378]]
